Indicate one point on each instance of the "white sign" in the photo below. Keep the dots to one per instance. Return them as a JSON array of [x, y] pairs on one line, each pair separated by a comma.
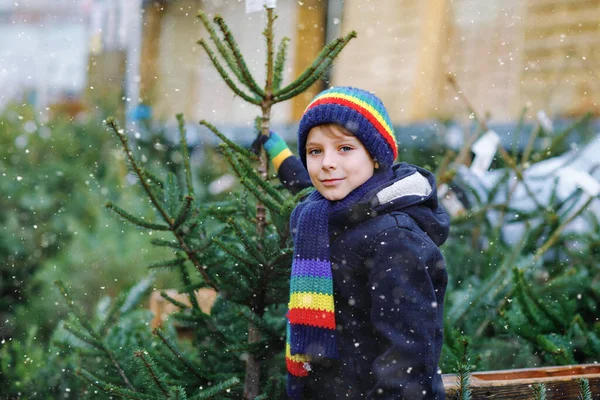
[[484, 148], [257, 5]]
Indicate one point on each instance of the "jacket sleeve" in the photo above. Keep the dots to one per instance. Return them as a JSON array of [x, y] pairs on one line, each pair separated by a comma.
[[293, 175], [404, 315], [289, 168]]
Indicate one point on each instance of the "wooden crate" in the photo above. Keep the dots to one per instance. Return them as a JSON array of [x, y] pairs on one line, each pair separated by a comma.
[[561, 382], [162, 308]]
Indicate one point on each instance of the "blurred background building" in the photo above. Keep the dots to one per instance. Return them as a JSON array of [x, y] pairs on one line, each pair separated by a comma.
[[505, 55]]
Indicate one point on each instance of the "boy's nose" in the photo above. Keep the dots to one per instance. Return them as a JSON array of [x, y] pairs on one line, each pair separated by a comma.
[[329, 161]]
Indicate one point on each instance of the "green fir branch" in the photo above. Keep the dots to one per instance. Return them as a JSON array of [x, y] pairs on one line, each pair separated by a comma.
[[171, 300], [492, 285], [185, 153], [223, 211], [183, 212], [165, 243], [324, 53], [559, 140], [156, 376], [593, 341], [558, 231], [156, 203], [250, 172], [171, 197], [566, 206], [539, 391], [248, 80], [167, 263], [177, 393], [152, 177], [79, 314], [245, 237], [91, 353], [585, 393], [255, 348], [550, 314], [519, 131], [280, 63], [225, 76], [112, 315], [136, 294], [257, 321], [111, 123], [194, 286], [305, 81], [202, 247], [265, 198], [234, 252], [524, 300], [163, 358], [218, 389], [186, 363], [549, 346], [463, 374], [68, 347], [111, 389], [530, 143], [81, 336], [229, 142], [225, 52], [282, 254], [135, 220], [185, 278]]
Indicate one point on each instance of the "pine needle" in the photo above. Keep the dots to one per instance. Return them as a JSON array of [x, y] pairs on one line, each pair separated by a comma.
[[585, 393], [539, 391]]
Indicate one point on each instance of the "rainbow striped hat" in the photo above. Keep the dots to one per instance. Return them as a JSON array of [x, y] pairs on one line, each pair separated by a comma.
[[361, 113]]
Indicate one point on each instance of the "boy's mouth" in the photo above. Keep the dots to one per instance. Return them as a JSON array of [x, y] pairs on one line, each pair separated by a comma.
[[331, 182]]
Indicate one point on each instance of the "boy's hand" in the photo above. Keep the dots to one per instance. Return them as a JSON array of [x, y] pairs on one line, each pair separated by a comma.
[[276, 148]]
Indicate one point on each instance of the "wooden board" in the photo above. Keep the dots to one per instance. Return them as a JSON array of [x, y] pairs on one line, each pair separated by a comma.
[[561, 382]]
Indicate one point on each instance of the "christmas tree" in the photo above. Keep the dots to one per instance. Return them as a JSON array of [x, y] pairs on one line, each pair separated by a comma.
[[240, 248]]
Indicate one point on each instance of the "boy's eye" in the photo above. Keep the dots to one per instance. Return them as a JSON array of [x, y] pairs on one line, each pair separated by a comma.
[[346, 148], [314, 151]]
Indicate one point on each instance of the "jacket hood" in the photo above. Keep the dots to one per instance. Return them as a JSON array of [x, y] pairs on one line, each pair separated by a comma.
[[411, 190]]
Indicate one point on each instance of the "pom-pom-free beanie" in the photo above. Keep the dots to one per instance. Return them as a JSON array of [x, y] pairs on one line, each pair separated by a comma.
[[358, 111]]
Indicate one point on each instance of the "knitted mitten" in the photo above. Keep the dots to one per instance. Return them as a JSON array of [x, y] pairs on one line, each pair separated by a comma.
[[288, 167], [276, 148]]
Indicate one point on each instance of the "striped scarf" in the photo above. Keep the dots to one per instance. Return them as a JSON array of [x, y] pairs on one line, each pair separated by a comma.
[[311, 328]]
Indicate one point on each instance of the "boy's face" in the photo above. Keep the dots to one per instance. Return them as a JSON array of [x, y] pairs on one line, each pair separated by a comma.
[[337, 164]]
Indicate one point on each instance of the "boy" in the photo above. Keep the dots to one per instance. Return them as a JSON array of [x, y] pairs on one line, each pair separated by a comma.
[[368, 280]]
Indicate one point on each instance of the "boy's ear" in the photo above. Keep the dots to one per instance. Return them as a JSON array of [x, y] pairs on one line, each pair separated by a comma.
[[376, 165]]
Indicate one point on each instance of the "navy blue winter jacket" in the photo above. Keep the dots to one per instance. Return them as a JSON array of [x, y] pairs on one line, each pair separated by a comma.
[[389, 280]]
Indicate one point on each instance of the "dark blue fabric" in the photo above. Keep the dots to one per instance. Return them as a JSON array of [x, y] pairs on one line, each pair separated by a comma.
[[389, 283], [310, 229]]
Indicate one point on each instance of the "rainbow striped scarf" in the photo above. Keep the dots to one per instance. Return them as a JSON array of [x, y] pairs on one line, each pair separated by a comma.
[[311, 328]]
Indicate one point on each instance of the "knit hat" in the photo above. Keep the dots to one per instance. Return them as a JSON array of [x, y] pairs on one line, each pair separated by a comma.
[[358, 111]]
